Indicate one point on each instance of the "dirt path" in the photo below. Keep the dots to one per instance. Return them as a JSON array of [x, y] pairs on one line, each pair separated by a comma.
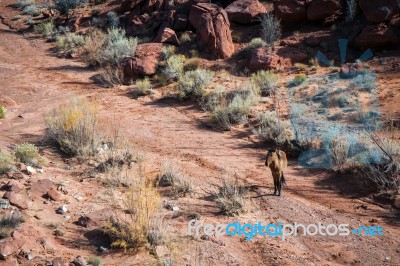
[[37, 81]]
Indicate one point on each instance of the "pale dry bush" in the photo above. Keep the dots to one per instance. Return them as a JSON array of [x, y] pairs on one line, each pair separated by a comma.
[[141, 202], [172, 176], [340, 151], [6, 162], [271, 128], [74, 127]]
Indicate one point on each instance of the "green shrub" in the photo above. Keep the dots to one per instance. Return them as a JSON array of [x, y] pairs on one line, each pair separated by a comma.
[[21, 4], [267, 81], [94, 261], [65, 5], [71, 42], [210, 101], [74, 127], [9, 223], [168, 51], [366, 82], [112, 19], [185, 37], [256, 43], [6, 162], [117, 47], [45, 28], [343, 101], [297, 80], [31, 10], [91, 50], [193, 83], [174, 67], [28, 153], [143, 86], [270, 128], [191, 64], [2, 112], [271, 29]]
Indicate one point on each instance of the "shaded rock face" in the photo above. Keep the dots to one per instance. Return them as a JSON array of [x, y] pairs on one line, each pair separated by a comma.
[[291, 11], [378, 37], [379, 11], [262, 59], [212, 29], [166, 35], [325, 10], [144, 62], [245, 11]]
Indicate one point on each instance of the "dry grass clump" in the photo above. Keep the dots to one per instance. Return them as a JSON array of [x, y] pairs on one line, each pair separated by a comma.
[[267, 81], [193, 83], [172, 176], [6, 162], [8, 223], [74, 127], [28, 153], [271, 128], [2, 112]]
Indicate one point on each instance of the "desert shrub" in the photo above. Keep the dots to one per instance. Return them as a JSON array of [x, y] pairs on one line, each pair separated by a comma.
[[117, 47], [340, 151], [193, 83], [185, 37], [6, 162], [141, 202], [271, 29], [174, 67], [74, 127], [351, 10], [343, 101], [168, 51], [111, 76], [365, 81], [21, 4], [65, 5], [28, 153], [2, 112], [157, 232], [267, 81], [210, 101], [270, 128], [8, 223], [45, 28], [230, 197], [256, 43], [172, 176], [95, 12], [235, 107], [143, 86], [112, 19], [94, 261], [31, 10], [70, 42], [92, 48], [297, 80], [191, 64]]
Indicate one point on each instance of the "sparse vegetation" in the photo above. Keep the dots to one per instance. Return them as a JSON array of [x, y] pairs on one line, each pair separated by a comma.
[[6, 162], [267, 81], [230, 197], [256, 43], [270, 128], [271, 29], [91, 50], [94, 261], [28, 153], [168, 51], [21, 4], [31, 10], [171, 176], [9, 223], [70, 42], [191, 64], [112, 19], [174, 67], [74, 127], [365, 81], [297, 80], [350, 10], [193, 83], [65, 5], [141, 202], [185, 37], [143, 86], [45, 28], [2, 112]]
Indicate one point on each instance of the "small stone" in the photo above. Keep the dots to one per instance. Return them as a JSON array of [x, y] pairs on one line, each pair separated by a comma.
[[40, 171], [57, 262], [4, 204], [62, 209], [175, 208], [102, 249], [78, 198], [79, 261], [67, 217], [30, 170], [54, 195]]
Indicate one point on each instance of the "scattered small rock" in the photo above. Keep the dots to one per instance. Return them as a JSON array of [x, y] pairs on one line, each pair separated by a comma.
[[30, 170], [40, 171], [78, 198], [86, 221], [13, 186], [102, 249], [62, 209], [79, 261], [4, 204], [54, 195], [16, 200]]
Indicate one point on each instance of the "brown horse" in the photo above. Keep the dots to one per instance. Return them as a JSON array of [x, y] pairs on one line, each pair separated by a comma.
[[277, 162]]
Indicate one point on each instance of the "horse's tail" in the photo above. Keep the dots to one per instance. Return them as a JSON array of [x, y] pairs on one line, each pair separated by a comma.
[[283, 180]]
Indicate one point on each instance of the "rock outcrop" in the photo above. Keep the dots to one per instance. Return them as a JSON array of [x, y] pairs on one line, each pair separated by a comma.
[[245, 11]]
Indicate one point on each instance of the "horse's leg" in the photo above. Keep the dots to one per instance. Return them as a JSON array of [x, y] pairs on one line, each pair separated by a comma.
[[275, 184], [279, 185]]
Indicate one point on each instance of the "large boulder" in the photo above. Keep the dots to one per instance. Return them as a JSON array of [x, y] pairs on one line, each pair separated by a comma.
[[245, 11], [325, 10], [17, 200], [378, 37], [212, 29], [263, 59], [166, 35], [145, 61], [290, 11], [379, 11]]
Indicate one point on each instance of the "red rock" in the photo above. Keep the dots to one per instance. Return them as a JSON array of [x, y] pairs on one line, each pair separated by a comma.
[[326, 10], [15, 175], [379, 11], [291, 55], [145, 61], [57, 262], [18, 200], [13, 186], [49, 13], [378, 37], [262, 59], [10, 246], [41, 187], [290, 11], [349, 70], [10, 262], [396, 202], [212, 29], [7, 101], [74, 22], [54, 195], [166, 35], [86, 221], [245, 11]]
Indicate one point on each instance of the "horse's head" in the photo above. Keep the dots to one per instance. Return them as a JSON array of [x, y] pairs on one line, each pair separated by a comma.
[[271, 156]]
